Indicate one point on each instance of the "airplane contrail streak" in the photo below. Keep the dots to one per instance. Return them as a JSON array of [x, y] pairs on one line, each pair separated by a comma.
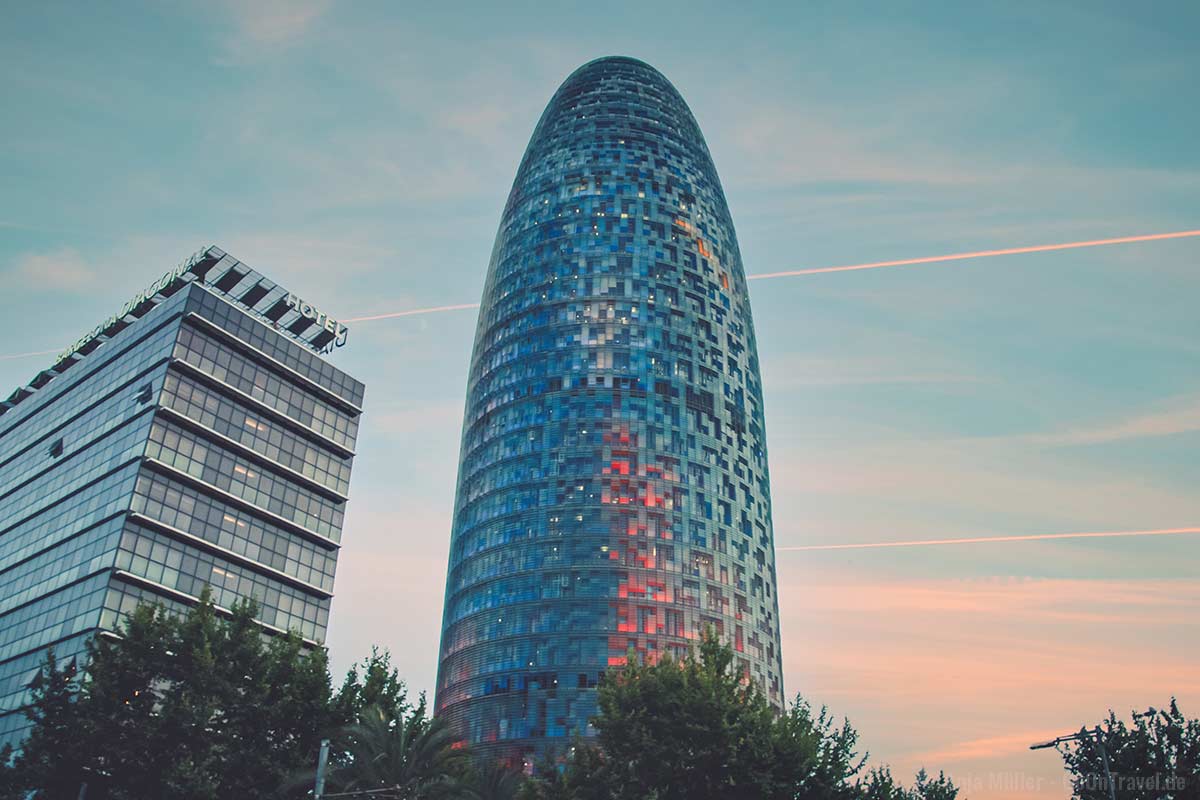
[[30, 355], [410, 313], [1036, 537], [1011, 251], [413, 312], [1041, 248]]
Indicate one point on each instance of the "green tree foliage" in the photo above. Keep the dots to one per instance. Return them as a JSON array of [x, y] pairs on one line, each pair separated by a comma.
[[582, 775], [387, 746], [878, 784], [1157, 756], [371, 683], [52, 759], [412, 755], [197, 707], [204, 706], [694, 730], [939, 788], [496, 781]]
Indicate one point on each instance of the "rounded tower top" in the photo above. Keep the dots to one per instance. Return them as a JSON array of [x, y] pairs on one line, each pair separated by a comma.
[[625, 60]]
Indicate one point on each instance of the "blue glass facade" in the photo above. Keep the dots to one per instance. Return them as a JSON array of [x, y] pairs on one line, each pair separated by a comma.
[[613, 489], [200, 441]]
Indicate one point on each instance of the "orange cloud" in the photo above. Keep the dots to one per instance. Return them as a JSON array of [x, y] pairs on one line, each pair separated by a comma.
[[993, 539], [964, 674], [987, 748], [1181, 416]]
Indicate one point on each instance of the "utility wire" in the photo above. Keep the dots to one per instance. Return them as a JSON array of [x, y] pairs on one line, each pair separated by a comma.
[[385, 792]]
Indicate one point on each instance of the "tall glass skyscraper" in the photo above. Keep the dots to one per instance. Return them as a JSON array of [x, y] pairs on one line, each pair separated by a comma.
[[196, 437], [613, 490]]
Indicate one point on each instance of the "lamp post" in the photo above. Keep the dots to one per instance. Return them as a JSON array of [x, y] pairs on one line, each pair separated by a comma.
[[322, 763], [1081, 736]]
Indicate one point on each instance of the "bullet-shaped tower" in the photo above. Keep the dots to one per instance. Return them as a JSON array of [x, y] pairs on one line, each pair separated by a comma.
[[613, 493]]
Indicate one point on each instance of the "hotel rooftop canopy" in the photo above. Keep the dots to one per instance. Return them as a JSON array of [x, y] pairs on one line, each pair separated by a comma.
[[229, 277]]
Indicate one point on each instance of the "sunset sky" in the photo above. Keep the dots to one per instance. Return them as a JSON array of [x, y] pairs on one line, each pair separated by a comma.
[[360, 154]]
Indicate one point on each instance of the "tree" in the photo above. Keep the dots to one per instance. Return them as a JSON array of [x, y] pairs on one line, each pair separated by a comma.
[[413, 755], [1157, 756], [190, 707], [496, 781], [686, 731], [385, 744], [697, 729], [694, 729], [583, 776], [878, 784], [814, 756], [51, 758], [204, 706], [939, 788], [371, 683]]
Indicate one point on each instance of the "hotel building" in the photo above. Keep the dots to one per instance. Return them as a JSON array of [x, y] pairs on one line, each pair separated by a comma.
[[196, 437]]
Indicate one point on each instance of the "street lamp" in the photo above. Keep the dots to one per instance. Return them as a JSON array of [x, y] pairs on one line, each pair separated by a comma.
[[1151, 712], [1079, 737]]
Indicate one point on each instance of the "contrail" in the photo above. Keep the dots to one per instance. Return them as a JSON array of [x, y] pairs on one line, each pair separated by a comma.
[[410, 313], [30, 355], [1011, 251], [413, 312], [1037, 537], [1041, 248]]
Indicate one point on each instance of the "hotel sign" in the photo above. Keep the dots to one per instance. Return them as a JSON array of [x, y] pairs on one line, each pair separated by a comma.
[[166, 280], [336, 331], [331, 325]]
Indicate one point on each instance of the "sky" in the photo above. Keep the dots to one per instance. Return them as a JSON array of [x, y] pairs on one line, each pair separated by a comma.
[[361, 153]]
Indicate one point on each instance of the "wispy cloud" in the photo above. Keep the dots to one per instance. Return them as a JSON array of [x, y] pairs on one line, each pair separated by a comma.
[[785, 146], [63, 269], [978, 476], [1015, 601], [1179, 415], [273, 23], [986, 748], [966, 673], [403, 419], [304, 253], [845, 370]]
